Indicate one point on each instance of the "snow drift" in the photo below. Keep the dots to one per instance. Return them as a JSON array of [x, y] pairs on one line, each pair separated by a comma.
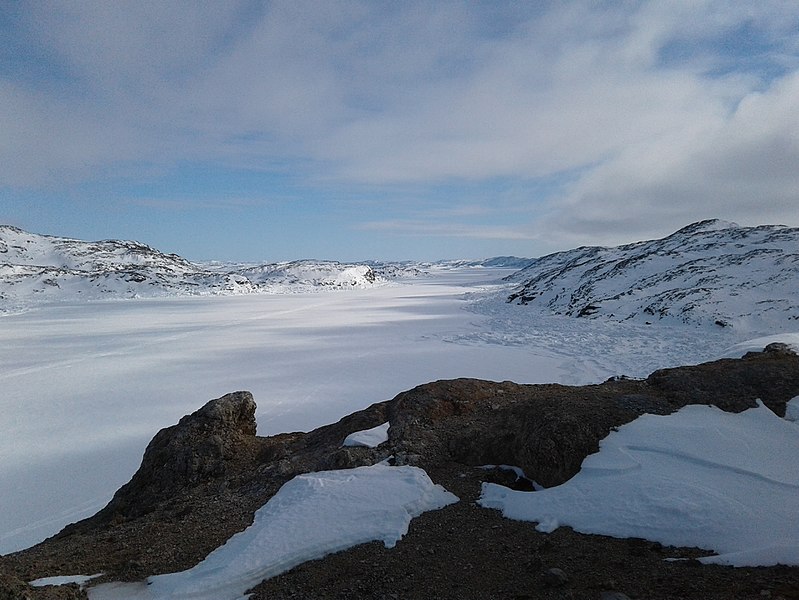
[[699, 477], [311, 516]]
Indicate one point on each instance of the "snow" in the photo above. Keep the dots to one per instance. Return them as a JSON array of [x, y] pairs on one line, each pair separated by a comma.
[[699, 477], [81, 580], [311, 516], [791, 339], [86, 385], [371, 438], [39, 269], [518, 471], [792, 410]]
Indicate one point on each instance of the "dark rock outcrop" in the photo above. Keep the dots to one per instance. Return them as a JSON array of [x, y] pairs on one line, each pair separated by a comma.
[[206, 445]]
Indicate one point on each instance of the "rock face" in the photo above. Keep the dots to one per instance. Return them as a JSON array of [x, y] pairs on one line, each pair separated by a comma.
[[202, 480], [203, 446]]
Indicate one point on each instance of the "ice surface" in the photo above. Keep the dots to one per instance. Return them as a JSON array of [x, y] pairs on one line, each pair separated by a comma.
[[371, 438], [311, 516], [591, 350], [699, 477], [87, 385]]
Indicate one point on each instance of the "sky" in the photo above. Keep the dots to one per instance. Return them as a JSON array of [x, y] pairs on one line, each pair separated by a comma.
[[248, 130]]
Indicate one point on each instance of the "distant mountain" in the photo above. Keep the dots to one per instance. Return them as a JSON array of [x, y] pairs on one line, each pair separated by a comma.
[[504, 262], [40, 268], [710, 272]]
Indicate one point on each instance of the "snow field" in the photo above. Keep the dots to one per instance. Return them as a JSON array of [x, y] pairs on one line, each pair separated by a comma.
[[86, 386]]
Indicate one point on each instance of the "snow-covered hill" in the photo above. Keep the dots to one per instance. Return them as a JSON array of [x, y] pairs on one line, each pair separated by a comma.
[[711, 272], [500, 262], [39, 268]]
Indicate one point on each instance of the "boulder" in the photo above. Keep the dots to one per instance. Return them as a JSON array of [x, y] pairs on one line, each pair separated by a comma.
[[202, 447]]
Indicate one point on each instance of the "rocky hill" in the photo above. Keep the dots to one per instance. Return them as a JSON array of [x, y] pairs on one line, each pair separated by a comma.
[[202, 480], [39, 268], [502, 262], [711, 273]]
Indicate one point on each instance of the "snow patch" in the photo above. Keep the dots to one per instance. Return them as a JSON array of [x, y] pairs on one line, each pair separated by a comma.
[[63, 580], [791, 339], [370, 438], [311, 516], [792, 410], [699, 477]]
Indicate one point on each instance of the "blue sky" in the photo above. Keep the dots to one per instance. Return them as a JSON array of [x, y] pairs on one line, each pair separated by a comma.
[[245, 130]]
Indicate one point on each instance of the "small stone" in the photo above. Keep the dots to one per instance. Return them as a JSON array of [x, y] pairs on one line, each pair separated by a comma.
[[778, 348], [613, 596], [555, 577]]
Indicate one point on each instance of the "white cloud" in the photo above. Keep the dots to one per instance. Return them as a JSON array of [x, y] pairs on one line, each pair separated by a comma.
[[44, 141], [424, 93], [742, 167]]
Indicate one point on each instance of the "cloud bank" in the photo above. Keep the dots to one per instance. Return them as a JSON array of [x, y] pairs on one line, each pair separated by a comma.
[[653, 113]]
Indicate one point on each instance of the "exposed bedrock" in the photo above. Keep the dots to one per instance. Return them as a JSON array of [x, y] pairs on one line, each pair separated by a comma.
[[205, 445], [548, 430]]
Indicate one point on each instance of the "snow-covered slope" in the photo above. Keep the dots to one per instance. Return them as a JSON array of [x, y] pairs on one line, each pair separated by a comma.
[[503, 262], [40, 268], [311, 273], [710, 272]]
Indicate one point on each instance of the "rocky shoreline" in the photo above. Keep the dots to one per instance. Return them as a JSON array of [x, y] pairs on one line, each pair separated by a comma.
[[202, 480]]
